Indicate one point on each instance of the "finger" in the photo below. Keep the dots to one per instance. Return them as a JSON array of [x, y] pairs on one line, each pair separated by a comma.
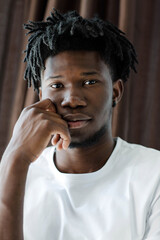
[[65, 140], [55, 139], [64, 135], [50, 115], [65, 144], [59, 145], [45, 104], [63, 131]]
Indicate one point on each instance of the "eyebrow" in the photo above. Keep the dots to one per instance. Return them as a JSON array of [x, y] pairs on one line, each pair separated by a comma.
[[82, 74], [53, 77], [88, 73]]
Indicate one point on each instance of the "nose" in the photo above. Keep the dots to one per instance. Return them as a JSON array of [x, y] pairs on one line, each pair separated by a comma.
[[73, 99]]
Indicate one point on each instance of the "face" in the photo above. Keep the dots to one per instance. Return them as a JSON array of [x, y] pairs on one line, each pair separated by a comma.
[[79, 84]]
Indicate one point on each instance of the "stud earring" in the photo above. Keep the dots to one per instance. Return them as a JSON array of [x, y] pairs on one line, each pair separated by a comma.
[[114, 103]]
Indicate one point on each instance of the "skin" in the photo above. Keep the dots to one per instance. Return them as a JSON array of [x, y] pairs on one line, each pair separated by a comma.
[[91, 94], [72, 92]]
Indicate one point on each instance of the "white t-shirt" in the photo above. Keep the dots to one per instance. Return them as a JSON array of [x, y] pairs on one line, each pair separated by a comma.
[[121, 201]]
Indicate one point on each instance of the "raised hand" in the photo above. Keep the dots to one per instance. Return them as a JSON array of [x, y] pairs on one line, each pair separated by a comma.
[[35, 127]]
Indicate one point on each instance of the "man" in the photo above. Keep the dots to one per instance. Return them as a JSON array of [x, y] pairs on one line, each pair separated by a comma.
[[88, 185]]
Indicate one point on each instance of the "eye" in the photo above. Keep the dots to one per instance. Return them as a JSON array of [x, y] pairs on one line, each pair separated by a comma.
[[90, 82], [56, 85]]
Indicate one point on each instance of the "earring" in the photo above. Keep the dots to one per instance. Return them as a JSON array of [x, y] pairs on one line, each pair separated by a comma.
[[114, 103]]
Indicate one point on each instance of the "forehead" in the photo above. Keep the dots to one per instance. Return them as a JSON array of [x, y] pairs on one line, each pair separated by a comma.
[[76, 61]]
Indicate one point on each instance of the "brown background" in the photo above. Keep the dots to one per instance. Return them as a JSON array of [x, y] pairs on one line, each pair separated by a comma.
[[136, 119]]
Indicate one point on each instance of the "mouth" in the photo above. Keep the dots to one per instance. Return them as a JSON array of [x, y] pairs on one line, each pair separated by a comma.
[[77, 124], [77, 120]]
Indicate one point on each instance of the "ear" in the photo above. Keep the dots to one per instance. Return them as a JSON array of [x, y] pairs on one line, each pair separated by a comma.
[[118, 89], [40, 93]]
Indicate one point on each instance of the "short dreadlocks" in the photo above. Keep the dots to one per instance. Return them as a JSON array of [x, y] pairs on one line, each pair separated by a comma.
[[70, 31]]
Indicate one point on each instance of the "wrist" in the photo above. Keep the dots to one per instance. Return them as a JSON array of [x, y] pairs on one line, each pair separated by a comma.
[[16, 158], [18, 154]]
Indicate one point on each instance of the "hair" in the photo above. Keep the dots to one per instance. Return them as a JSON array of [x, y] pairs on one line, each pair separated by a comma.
[[69, 31]]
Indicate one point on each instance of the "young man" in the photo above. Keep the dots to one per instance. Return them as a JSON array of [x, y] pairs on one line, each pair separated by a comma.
[[91, 185]]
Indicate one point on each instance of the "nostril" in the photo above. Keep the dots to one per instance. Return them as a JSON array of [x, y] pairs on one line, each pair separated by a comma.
[[73, 102]]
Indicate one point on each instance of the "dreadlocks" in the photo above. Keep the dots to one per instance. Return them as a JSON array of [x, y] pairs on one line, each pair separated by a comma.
[[70, 31]]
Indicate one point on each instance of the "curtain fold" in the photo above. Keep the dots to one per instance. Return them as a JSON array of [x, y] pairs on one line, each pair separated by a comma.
[[137, 117]]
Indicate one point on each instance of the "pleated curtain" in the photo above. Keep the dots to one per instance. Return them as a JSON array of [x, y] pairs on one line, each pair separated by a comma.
[[137, 117]]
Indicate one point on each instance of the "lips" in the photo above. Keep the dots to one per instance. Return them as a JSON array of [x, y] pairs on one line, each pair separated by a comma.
[[77, 120], [76, 117]]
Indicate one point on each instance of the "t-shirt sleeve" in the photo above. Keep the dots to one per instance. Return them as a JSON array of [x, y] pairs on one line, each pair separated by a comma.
[[153, 221]]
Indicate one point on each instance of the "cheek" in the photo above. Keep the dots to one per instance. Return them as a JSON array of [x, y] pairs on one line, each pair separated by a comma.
[[45, 93], [104, 99], [48, 93], [54, 97], [103, 105]]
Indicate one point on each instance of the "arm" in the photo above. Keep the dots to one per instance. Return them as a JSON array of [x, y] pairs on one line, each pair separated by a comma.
[[13, 174], [31, 135]]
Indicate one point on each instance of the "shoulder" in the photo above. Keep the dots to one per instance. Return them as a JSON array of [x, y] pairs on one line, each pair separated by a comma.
[[144, 163], [140, 153]]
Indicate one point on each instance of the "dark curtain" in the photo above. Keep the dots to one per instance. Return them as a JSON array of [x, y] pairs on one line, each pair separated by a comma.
[[136, 119]]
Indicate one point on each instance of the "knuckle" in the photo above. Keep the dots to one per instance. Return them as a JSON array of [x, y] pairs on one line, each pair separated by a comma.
[[32, 111], [65, 129], [41, 116], [56, 127], [29, 111], [48, 125], [63, 122], [25, 110]]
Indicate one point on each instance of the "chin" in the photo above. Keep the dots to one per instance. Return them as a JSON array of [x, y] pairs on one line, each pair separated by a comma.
[[85, 142]]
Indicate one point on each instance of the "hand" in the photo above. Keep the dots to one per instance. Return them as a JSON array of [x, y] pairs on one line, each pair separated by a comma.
[[34, 128]]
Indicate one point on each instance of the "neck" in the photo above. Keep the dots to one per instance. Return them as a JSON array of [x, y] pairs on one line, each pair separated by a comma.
[[85, 160]]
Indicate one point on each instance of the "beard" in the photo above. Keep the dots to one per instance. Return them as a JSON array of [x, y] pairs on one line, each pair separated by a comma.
[[92, 140]]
